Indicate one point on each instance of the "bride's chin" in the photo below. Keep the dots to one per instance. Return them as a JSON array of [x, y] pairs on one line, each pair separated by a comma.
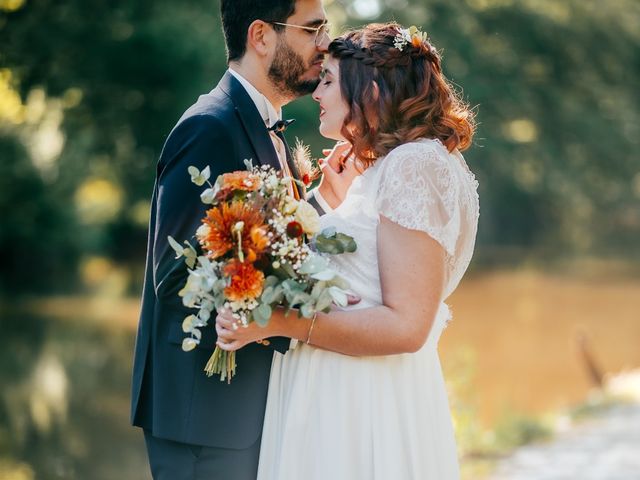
[[328, 133]]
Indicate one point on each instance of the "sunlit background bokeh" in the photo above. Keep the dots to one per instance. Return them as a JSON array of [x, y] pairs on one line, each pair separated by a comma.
[[547, 316]]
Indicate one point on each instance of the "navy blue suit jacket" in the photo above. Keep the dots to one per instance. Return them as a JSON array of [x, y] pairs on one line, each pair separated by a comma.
[[171, 395]]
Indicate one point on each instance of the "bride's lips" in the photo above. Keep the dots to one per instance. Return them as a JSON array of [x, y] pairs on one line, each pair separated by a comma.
[[322, 111]]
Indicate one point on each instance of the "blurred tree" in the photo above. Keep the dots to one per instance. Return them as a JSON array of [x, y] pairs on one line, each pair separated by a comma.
[[121, 73], [34, 242]]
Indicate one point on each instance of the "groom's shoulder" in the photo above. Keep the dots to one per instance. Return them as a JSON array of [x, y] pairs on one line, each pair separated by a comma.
[[212, 115], [208, 121], [212, 107]]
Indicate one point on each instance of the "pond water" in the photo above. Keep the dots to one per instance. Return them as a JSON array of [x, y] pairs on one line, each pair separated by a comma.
[[515, 340], [536, 342]]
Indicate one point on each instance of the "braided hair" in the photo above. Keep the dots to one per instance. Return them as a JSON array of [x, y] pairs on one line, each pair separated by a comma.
[[382, 55], [396, 95]]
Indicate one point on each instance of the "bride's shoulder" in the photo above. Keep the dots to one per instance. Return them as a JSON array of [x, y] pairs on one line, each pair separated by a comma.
[[423, 152]]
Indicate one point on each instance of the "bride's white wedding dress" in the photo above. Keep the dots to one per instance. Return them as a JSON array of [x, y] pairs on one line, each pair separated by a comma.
[[336, 417]]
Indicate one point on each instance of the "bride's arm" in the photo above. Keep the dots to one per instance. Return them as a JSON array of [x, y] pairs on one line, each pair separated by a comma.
[[411, 267]]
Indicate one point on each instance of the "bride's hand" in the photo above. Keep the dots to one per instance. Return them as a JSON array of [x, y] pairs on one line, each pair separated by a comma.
[[233, 336], [338, 173]]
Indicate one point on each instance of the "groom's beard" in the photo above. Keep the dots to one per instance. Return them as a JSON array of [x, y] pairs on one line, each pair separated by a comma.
[[287, 69]]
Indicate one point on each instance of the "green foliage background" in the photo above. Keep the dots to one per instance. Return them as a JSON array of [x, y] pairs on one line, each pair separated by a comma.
[[97, 86]]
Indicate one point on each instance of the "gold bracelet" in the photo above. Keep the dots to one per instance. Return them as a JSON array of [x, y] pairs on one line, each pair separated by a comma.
[[313, 322]]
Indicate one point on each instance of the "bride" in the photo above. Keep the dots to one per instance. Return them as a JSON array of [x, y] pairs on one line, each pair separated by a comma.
[[362, 396]]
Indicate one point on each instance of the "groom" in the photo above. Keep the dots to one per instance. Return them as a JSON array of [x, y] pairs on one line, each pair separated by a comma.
[[197, 427]]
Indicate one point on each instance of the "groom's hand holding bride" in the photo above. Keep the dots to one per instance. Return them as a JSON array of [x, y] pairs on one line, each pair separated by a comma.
[[339, 169]]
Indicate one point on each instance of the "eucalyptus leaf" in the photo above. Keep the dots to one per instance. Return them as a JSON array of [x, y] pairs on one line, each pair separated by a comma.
[[197, 334], [262, 314], [347, 243], [199, 177], [307, 310], [324, 301], [188, 323], [288, 269], [267, 295], [339, 282], [298, 298], [204, 315], [339, 296], [329, 241], [179, 249], [291, 285], [328, 232], [208, 196], [278, 295], [325, 275], [189, 344], [317, 289], [325, 245], [313, 264], [193, 171]]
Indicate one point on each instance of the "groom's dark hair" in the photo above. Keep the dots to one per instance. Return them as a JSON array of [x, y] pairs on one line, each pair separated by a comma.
[[237, 15]]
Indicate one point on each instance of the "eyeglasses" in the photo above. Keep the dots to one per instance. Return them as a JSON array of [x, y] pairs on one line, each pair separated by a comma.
[[319, 32]]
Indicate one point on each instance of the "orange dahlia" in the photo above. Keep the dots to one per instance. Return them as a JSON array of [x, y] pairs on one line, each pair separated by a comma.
[[222, 233], [245, 281]]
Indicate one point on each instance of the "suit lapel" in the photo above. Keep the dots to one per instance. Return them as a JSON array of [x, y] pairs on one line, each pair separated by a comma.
[[251, 121]]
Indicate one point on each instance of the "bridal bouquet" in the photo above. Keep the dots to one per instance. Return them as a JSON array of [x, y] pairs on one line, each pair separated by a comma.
[[255, 245]]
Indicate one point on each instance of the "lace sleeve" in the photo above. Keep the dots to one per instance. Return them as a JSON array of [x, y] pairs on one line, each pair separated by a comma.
[[417, 190]]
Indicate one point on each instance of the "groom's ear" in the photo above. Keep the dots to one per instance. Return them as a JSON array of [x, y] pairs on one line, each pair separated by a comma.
[[261, 38]]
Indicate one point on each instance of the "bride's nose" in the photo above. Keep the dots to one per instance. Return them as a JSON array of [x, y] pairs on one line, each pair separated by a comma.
[[316, 94]]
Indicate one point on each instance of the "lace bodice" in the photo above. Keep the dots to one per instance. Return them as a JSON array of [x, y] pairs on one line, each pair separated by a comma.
[[420, 186]]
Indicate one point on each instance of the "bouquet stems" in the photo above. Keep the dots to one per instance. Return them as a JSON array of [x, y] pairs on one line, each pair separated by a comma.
[[223, 363]]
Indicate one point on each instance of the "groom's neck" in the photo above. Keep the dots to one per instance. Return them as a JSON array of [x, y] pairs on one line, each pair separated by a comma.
[[255, 75]]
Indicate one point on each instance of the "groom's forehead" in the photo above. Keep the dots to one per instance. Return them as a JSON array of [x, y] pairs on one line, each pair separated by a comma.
[[309, 13]]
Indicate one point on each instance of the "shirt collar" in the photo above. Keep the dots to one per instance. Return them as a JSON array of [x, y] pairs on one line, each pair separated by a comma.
[[267, 111]]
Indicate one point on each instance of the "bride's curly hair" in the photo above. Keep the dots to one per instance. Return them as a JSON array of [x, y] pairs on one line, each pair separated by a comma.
[[396, 95]]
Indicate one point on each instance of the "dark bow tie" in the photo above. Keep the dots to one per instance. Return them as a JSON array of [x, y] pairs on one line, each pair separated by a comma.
[[281, 125]]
